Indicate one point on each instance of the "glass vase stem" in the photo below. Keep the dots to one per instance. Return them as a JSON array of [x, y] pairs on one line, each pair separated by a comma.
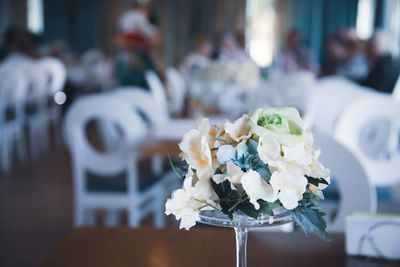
[[241, 246]]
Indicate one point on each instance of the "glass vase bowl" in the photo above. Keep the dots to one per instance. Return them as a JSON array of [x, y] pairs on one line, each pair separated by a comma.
[[241, 223]]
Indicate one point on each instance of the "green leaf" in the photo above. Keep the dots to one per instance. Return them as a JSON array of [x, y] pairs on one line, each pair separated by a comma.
[[253, 162], [220, 139], [252, 146], [316, 181], [268, 207], [248, 209], [265, 208], [181, 176], [310, 198], [310, 219], [228, 197]]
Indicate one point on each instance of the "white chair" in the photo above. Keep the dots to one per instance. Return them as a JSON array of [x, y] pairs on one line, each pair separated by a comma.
[[164, 127], [13, 89], [396, 90], [122, 159], [56, 74], [142, 102], [355, 191], [157, 89], [328, 98], [177, 90], [36, 102], [370, 127]]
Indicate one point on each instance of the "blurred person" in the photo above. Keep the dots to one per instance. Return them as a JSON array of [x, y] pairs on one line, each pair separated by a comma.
[[134, 60], [136, 19], [230, 48], [334, 53], [294, 54], [200, 58], [19, 44], [355, 64], [384, 72], [136, 41]]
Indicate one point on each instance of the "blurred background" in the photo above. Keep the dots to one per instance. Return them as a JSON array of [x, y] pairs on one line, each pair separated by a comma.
[[95, 96]]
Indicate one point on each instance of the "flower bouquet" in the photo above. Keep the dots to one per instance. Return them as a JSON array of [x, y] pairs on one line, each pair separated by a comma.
[[259, 164]]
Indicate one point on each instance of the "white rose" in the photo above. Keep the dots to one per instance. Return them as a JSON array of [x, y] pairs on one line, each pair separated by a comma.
[[256, 188], [283, 124]]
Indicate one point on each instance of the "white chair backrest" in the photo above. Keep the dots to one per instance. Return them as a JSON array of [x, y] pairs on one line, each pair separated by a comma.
[[356, 193], [157, 89], [37, 79], [143, 101], [327, 99], [396, 90], [112, 110], [370, 128], [13, 89], [56, 72], [177, 89]]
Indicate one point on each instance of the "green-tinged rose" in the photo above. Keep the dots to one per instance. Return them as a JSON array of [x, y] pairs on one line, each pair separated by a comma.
[[283, 124]]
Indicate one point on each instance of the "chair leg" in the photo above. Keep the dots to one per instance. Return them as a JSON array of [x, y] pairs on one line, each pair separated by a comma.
[[5, 153], [33, 143], [44, 137], [112, 218], [159, 217], [133, 217], [158, 204], [21, 146], [90, 217], [157, 164], [79, 219]]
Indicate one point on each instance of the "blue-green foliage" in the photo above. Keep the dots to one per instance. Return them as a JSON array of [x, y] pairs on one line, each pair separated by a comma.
[[244, 156]]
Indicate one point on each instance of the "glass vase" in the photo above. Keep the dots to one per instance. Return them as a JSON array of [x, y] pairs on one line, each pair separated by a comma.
[[241, 223]]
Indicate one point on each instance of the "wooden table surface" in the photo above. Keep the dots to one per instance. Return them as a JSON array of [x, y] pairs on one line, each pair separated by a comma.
[[197, 247]]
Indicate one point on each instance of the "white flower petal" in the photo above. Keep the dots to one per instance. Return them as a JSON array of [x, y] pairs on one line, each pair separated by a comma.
[[291, 184], [297, 154], [203, 190], [256, 188], [269, 150], [317, 170], [234, 172], [239, 130], [204, 126], [188, 219], [288, 199], [219, 178]]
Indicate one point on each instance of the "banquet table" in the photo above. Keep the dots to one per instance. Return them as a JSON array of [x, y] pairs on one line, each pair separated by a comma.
[[201, 246]]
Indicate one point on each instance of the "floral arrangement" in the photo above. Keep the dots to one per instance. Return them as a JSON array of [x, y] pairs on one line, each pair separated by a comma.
[[242, 72], [260, 162]]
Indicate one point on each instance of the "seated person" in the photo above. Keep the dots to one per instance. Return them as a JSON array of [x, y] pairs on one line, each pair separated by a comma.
[[199, 59], [384, 73]]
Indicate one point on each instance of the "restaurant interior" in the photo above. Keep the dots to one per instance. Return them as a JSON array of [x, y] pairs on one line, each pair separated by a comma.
[[99, 98]]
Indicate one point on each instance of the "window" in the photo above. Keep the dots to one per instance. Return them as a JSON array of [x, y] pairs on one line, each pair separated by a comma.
[[35, 16], [365, 18], [260, 17]]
